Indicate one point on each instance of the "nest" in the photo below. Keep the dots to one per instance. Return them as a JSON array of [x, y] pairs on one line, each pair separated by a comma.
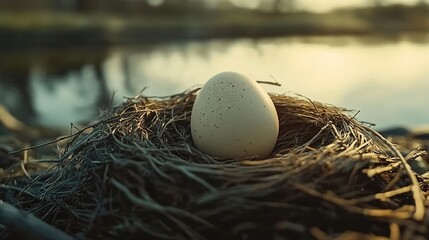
[[136, 174]]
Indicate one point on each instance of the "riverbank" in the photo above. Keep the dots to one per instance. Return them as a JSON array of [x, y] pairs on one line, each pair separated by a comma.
[[61, 29]]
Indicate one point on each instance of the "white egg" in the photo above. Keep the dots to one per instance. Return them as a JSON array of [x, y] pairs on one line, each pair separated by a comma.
[[234, 117]]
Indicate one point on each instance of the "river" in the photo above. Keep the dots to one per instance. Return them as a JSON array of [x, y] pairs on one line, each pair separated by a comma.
[[385, 78]]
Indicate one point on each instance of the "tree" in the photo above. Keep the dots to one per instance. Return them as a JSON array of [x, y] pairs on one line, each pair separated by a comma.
[[421, 3], [378, 3], [278, 5]]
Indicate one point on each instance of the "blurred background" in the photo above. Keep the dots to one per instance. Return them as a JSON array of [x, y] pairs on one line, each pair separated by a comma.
[[61, 61]]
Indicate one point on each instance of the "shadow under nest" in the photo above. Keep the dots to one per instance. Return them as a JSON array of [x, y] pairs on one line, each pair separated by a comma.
[[136, 174]]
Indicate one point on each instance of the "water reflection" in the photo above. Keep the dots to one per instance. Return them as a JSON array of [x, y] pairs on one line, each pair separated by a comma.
[[69, 98], [387, 79]]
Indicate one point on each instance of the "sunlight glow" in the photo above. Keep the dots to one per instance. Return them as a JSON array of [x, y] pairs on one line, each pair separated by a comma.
[[328, 5], [251, 4], [155, 3]]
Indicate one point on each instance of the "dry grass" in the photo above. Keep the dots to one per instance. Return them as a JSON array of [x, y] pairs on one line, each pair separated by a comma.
[[136, 174]]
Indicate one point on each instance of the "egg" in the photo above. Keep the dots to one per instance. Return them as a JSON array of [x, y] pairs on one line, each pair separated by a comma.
[[234, 117]]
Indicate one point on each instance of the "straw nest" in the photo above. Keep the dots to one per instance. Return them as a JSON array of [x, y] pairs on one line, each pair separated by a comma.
[[136, 174]]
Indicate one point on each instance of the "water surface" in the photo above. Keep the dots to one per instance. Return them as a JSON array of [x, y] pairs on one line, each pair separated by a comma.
[[386, 79]]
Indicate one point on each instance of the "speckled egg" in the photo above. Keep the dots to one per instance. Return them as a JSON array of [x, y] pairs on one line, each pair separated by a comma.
[[234, 117]]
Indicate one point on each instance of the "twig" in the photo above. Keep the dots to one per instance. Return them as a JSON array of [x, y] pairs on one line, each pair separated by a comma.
[[20, 190], [52, 142], [41, 145], [419, 212], [348, 204], [395, 232], [374, 171], [319, 234], [314, 137], [23, 162], [270, 83], [392, 183], [152, 205]]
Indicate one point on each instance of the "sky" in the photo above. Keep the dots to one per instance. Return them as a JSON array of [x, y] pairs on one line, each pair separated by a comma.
[[325, 5]]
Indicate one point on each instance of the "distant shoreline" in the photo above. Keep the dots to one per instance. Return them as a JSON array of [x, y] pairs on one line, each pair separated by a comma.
[[49, 29]]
